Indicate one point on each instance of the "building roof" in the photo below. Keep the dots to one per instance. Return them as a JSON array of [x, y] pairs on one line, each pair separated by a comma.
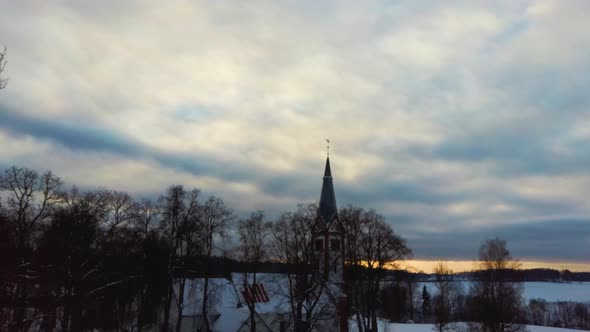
[[228, 310]]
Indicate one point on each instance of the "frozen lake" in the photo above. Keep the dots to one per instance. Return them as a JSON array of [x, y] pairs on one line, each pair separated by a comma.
[[557, 291], [548, 291], [396, 327]]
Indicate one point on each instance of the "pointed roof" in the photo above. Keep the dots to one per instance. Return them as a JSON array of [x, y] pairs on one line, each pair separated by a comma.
[[327, 211]]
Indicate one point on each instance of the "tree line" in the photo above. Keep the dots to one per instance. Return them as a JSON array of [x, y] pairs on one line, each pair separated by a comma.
[[78, 260]]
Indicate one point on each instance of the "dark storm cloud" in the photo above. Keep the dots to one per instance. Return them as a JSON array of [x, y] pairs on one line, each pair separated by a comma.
[[87, 138], [371, 190], [72, 136], [563, 239], [534, 144], [529, 133]]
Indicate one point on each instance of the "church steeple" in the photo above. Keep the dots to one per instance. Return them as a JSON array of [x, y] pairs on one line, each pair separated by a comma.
[[327, 210], [329, 246], [328, 171]]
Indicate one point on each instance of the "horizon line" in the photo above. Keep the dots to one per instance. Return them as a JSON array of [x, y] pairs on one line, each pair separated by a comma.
[[464, 265]]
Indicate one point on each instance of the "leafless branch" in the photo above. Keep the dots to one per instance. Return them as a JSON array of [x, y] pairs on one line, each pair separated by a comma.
[[3, 55]]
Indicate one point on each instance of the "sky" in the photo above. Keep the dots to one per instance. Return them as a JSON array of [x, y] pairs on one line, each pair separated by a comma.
[[458, 121]]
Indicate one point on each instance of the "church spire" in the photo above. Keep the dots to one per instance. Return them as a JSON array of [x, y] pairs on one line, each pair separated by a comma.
[[327, 170], [327, 210]]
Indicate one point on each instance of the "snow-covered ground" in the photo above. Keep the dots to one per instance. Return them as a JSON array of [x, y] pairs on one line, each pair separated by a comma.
[[548, 291], [396, 327], [227, 301]]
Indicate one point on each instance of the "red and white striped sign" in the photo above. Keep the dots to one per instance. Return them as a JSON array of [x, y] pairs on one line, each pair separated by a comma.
[[255, 294]]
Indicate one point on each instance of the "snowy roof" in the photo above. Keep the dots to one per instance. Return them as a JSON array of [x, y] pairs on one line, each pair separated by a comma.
[[227, 300]]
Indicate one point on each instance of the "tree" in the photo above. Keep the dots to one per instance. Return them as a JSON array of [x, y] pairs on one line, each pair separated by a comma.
[[146, 214], [425, 303], [87, 267], [181, 217], [293, 237], [2, 66], [496, 297], [8, 268], [215, 219], [371, 248], [254, 235], [71, 234], [443, 298], [29, 196], [411, 287]]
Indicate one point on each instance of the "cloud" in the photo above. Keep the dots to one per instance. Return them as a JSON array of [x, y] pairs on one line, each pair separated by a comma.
[[447, 118], [552, 240]]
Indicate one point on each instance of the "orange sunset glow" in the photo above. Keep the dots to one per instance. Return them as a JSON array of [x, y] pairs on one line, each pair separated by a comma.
[[463, 265]]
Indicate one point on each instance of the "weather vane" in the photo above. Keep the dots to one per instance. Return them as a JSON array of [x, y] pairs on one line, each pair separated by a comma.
[[328, 147]]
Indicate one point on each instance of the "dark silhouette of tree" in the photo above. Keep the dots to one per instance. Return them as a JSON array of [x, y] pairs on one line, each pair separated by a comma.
[[147, 214], [215, 216], [411, 287], [443, 298], [121, 210], [426, 307], [496, 298], [154, 282], [67, 247], [8, 267], [180, 212], [372, 247], [394, 302], [293, 236], [29, 196]]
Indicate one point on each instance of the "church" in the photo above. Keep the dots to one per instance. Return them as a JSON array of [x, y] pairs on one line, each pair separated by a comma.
[[270, 293]]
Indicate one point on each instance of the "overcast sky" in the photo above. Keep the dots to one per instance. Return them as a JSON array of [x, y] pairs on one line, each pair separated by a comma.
[[456, 120]]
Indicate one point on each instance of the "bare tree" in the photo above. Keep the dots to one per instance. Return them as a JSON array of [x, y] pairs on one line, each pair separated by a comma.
[[146, 214], [121, 210], [3, 55], [372, 247], [254, 235], [30, 195], [292, 238], [179, 209], [497, 297], [215, 218], [91, 201], [445, 289]]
